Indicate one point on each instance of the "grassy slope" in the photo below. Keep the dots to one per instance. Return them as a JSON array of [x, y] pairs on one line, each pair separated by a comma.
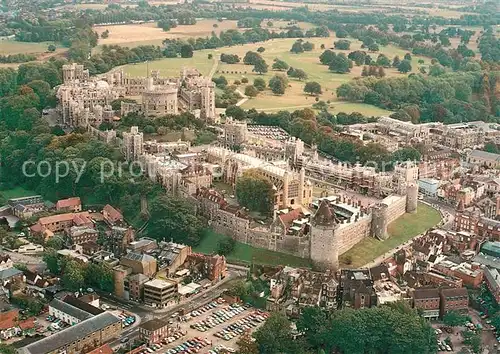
[[400, 231], [245, 253], [17, 192]]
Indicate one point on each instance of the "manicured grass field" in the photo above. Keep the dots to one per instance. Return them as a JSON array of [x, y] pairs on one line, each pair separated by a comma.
[[17, 192], [247, 254], [400, 231], [15, 47], [172, 66]]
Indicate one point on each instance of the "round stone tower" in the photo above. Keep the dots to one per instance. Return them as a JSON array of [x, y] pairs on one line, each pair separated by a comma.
[[380, 221], [324, 249], [411, 197]]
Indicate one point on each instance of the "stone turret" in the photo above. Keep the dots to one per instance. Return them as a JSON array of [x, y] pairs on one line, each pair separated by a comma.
[[324, 245], [379, 221], [411, 198]]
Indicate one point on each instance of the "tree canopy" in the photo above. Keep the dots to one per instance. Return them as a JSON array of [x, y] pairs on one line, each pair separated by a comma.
[[255, 191]]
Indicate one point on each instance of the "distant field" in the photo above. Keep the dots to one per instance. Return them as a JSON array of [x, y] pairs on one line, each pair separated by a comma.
[[134, 35], [373, 7], [400, 231], [15, 47], [247, 254], [148, 33]]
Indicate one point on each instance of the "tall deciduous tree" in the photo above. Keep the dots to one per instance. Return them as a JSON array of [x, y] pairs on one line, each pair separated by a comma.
[[312, 88], [260, 67], [255, 191], [173, 218]]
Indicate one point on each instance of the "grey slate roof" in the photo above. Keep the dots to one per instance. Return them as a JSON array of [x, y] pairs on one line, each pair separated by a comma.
[[71, 334], [70, 309], [485, 155], [9, 273]]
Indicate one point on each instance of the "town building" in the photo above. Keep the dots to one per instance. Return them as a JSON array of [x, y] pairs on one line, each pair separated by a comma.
[[73, 204], [492, 280], [140, 263], [454, 299], [483, 159], [81, 234], [428, 301], [112, 216], [153, 331], [355, 289], [159, 293], [61, 222], [26, 207], [80, 338]]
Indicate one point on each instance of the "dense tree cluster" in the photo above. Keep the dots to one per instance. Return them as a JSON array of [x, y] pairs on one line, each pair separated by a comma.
[[229, 58], [76, 276], [337, 63], [17, 58], [445, 98], [255, 192]]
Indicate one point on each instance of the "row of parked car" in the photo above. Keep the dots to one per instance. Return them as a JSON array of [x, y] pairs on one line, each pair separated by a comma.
[[191, 346], [220, 349], [203, 309], [176, 335], [219, 317], [56, 324], [243, 325], [443, 346], [126, 319]]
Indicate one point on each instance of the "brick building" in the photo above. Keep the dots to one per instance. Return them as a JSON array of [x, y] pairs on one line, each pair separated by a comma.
[[454, 299], [492, 280], [80, 338], [69, 205], [153, 330], [428, 301]]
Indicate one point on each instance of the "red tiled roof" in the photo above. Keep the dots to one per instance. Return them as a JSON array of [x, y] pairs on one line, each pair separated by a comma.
[[68, 203], [27, 324], [289, 217], [105, 349], [112, 214]]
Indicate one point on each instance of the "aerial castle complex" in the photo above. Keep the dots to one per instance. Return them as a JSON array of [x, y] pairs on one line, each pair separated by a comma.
[[85, 100]]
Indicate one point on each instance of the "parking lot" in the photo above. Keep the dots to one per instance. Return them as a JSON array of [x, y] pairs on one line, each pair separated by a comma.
[[212, 328]]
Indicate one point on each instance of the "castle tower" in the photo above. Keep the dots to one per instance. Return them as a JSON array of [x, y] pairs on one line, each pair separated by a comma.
[[411, 198], [302, 180], [379, 221], [286, 183], [207, 106], [324, 250]]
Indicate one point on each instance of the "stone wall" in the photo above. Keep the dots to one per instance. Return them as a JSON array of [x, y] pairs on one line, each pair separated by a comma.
[[349, 235]]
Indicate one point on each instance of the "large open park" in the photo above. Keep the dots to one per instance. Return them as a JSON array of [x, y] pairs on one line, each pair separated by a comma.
[[294, 98]]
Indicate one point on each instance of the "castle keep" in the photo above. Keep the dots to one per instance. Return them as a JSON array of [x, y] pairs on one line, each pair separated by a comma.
[[338, 225], [86, 101]]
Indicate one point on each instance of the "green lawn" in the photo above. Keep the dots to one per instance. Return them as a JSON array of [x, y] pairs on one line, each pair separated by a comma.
[[172, 66], [400, 231], [15, 47], [245, 253], [17, 192]]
